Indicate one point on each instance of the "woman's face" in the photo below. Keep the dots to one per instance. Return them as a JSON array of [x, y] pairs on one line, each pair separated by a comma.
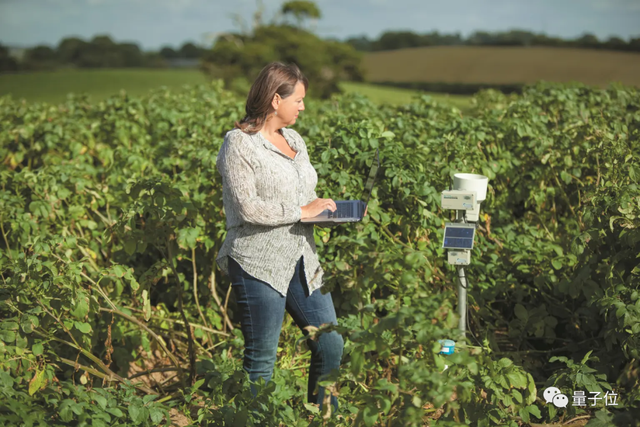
[[288, 108]]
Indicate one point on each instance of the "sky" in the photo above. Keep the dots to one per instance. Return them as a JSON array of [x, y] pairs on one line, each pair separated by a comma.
[[156, 23]]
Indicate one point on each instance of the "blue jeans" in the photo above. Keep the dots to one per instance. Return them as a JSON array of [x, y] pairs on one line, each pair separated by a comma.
[[262, 312]]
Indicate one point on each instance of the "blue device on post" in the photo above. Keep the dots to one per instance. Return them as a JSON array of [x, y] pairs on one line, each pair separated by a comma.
[[448, 347]]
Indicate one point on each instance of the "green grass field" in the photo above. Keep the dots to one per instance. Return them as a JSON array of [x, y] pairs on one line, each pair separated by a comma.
[[396, 96], [99, 84], [444, 64], [53, 87]]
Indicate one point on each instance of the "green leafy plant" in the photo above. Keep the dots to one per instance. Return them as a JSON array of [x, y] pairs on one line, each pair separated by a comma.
[[112, 310]]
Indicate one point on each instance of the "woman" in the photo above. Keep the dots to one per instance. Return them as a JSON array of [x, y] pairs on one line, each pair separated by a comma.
[[269, 255]]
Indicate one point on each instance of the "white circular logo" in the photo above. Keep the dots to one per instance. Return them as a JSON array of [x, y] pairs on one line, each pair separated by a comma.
[[553, 395], [560, 400], [549, 393]]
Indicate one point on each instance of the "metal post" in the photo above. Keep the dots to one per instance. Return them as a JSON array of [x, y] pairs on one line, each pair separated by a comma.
[[462, 301], [462, 286]]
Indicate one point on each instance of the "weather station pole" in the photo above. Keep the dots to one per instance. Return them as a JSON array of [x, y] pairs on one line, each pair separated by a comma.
[[468, 192], [462, 301]]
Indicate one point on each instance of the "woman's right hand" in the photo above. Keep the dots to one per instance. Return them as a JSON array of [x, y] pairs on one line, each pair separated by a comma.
[[317, 206]]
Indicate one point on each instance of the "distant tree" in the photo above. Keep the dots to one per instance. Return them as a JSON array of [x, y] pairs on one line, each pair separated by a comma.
[[436, 39], [154, 60], [513, 38], [324, 62], [7, 63], [101, 52], [362, 43], [190, 51], [615, 43], [587, 40], [103, 42], [131, 54], [391, 40], [301, 10], [480, 38], [447, 39], [544, 40], [70, 50], [169, 53], [40, 58], [41, 53]]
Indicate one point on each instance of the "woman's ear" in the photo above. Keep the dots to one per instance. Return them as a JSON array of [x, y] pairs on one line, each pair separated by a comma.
[[276, 101]]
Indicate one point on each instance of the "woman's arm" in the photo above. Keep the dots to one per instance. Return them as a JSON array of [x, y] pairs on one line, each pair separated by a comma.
[[239, 179]]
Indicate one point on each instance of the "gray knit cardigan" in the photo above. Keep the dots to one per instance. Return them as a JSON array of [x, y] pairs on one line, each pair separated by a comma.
[[263, 191]]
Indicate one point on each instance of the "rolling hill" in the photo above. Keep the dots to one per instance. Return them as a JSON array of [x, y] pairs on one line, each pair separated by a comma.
[[502, 65]]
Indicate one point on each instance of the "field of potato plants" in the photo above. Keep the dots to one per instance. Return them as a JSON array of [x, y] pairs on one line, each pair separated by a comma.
[[111, 218]]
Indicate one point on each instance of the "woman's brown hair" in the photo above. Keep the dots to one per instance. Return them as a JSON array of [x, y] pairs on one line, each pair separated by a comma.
[[273, 78]]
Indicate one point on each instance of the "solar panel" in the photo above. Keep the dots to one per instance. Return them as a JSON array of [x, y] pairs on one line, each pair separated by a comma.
[[458, 236]]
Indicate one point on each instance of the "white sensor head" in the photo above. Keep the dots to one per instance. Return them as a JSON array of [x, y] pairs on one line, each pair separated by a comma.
[[472, 182]]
